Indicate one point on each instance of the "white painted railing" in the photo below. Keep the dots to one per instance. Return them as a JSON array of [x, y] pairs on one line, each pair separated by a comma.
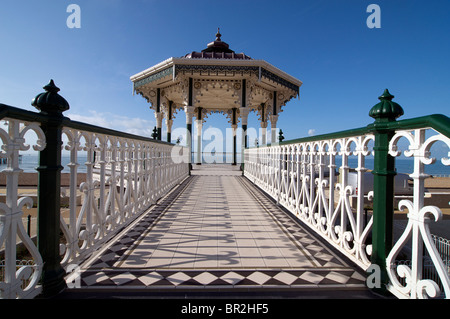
[[417, 229], [297, 176], [124, 177], [14, 138], [111, 198]]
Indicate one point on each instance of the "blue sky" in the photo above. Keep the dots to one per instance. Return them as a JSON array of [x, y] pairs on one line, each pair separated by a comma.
[[344, 65]]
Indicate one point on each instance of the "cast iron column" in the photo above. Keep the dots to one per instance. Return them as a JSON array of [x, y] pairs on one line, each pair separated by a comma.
[[158, 114], [199, 123], [189, 110], [384, 172], [189, 113], [52, 105], [234, 128], [169, 123], [244, 111]]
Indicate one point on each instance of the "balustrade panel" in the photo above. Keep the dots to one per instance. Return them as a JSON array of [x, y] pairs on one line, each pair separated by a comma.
[[123, 178], [18, 281], [327, 185], [302, 177], [410, 280]]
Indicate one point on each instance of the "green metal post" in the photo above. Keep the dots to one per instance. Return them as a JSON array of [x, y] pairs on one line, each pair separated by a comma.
[[234, 124], [244, 133], [52, 105], [244, 126], [159, 134], [155, 133], [169, 134], [189, 125], [384, 172], [234, 150], [189, 144], [158, 111]]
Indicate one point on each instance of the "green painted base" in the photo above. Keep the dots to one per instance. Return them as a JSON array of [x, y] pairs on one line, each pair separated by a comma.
[[53, 283]]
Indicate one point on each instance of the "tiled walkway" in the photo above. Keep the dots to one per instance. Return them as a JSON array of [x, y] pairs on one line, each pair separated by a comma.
[[217, 231]]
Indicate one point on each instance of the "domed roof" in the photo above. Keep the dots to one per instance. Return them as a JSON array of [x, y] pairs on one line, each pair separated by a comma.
[[217, 50]]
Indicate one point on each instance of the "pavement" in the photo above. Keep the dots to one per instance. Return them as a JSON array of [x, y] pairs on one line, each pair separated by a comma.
[[217, 236]]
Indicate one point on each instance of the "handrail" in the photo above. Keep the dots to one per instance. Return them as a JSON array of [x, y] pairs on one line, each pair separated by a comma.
[[133, 172], [336, 135], [67, 122], [438, 122], [7, 111], [20, 114], [341, 134], [303, 179]]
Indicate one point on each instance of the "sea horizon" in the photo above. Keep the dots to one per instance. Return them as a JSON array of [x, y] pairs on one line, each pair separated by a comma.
[[29, 162]]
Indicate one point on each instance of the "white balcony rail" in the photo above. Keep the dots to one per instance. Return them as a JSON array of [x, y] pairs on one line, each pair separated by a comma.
[[124, 177], [18, 281], [419, 218], [110, 198], [298, 177]]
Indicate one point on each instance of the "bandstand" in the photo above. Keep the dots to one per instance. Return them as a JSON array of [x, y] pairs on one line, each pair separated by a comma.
[[216, 80]]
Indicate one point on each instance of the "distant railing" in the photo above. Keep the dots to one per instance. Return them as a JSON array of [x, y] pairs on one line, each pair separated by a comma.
[[297, 177], [116, 190], [428, 269], [213, 157], [18, 280], [124, 176], [295, 173], [25, 281], [443, 248]]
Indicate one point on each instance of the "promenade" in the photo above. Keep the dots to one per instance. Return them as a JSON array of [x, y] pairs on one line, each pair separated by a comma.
[[216, 234]]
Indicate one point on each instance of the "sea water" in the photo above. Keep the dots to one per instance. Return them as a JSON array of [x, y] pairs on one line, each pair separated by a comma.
[[29, 162]]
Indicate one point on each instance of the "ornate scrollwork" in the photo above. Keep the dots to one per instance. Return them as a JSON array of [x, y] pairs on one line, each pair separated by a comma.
[[417, 228], [302, 178], [21, 283], [123, 178]]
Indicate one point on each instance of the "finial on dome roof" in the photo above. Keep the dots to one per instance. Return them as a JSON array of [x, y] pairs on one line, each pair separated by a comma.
[[218, 35], [218, 45]]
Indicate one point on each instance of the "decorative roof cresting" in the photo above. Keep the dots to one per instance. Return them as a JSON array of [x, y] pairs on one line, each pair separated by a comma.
[[217, 49]]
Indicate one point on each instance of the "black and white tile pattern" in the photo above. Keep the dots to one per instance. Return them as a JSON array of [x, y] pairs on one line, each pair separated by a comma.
[[295, 278], [217, 232]]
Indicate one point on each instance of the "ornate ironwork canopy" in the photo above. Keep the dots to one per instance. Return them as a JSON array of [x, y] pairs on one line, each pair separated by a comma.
[[220, 81], [217, 79]]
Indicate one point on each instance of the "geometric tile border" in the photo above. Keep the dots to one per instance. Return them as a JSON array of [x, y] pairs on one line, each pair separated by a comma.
[[331, 271], [164, 279]]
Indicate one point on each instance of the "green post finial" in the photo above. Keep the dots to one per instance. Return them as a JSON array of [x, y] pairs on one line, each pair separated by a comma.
[[155, 133], [50, 101], [386, 96], [51, 87], [280, 136], [386, 110]]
